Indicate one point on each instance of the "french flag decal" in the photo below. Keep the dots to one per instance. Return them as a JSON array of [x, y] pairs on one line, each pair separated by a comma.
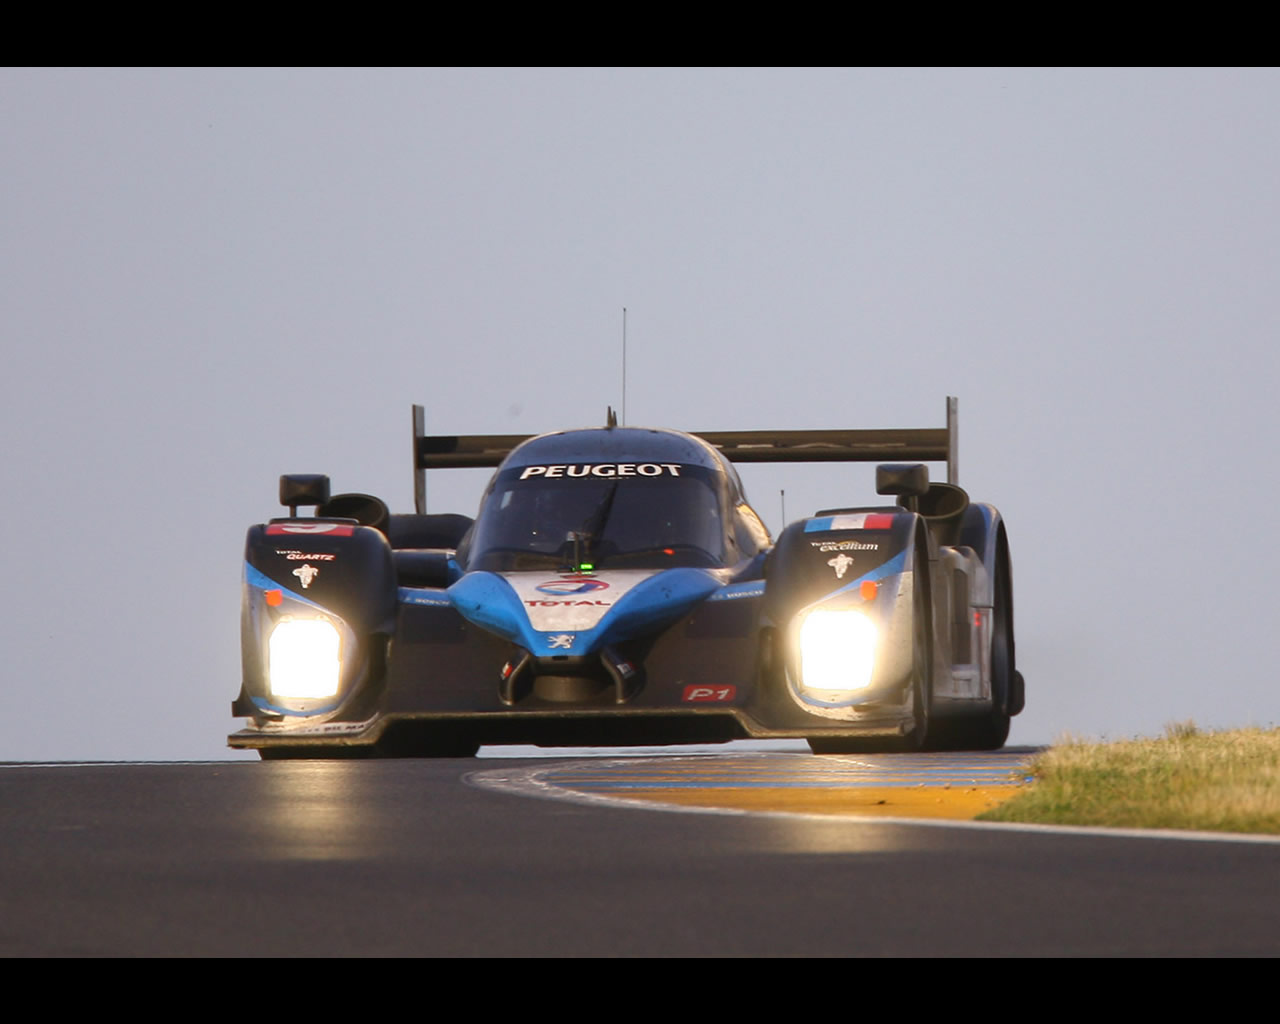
[[856, 521]]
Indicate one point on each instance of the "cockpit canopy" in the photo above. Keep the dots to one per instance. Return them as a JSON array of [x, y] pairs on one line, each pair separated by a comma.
[[600, 515]]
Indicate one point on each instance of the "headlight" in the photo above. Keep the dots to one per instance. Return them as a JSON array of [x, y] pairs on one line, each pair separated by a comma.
[[304, 658], [837, 650]]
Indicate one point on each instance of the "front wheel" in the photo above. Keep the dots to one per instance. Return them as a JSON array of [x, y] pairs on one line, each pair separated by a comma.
[[922, 728], [992, 730], [843, 745], [315, 753]]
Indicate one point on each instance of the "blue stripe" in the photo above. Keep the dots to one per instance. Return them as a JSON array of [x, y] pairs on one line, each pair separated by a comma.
[[265, 705], [752, 588], [425, 595], [255, 578], [490, 602], [894, 567]]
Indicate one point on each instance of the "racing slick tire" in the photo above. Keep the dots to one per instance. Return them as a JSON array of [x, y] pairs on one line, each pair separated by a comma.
[[315, 753], [844, 745], [992, 730], [413, 744], [922, 732], [439, 748]]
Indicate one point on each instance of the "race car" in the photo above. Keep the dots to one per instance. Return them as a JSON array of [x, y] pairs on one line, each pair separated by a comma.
[[615, 587]]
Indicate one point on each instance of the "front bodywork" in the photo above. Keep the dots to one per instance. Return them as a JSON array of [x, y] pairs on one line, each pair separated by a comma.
[[615, 587]]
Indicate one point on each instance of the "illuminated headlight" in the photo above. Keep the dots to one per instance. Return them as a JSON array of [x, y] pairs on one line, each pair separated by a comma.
[[837, 650], [304, 658]]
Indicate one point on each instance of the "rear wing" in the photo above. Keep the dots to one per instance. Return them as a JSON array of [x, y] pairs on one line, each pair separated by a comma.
[[930, 444]]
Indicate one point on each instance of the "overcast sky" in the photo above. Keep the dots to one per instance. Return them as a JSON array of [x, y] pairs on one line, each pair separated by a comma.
[[213, 277]]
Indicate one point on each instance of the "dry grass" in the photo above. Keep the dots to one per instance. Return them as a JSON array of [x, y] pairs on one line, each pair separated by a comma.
[[1223, 782]]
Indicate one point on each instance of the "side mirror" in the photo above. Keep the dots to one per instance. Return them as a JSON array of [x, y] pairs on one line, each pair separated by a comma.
[[303, 490], [910, 481]]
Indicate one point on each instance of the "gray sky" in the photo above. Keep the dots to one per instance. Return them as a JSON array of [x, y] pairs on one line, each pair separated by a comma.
[[213, 277]]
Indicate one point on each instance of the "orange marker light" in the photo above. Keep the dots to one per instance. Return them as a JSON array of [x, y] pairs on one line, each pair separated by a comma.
[[274, 597], [868, 589]]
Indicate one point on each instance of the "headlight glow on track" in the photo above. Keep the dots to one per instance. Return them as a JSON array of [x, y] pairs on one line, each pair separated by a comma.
[[837, 650], [304, 658]]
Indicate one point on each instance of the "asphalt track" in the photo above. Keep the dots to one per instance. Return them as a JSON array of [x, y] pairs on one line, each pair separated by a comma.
[[455, 858], [954, 786]]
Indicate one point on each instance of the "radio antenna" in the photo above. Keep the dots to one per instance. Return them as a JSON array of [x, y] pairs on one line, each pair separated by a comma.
[[624, 366]]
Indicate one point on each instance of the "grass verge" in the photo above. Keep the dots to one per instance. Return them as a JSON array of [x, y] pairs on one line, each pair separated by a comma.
[[1188, 779]]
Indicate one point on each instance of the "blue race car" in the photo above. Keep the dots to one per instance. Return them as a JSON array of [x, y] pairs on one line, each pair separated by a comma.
[[616, 588]]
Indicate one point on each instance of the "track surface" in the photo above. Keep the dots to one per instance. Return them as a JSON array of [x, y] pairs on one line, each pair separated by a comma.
[[403, 857], [955, 786]]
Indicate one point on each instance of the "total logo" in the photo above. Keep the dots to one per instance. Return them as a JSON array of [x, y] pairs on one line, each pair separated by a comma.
[[304, 556], [572, 585]]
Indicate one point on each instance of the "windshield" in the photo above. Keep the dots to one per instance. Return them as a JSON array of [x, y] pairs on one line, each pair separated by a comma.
[[599, 515]]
